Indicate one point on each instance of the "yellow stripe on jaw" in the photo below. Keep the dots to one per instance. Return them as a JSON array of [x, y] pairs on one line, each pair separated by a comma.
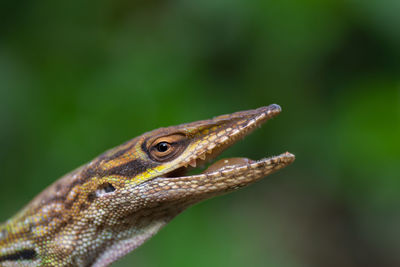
[[139, 153], [158, 170], [142, 177], [153, 172]]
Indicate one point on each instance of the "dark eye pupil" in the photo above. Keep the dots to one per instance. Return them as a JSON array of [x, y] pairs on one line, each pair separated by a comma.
[[162, 147]]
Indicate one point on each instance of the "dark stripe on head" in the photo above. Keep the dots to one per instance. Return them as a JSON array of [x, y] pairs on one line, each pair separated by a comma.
[[26, 254], [117, 154], [144, 145], [130, 169]]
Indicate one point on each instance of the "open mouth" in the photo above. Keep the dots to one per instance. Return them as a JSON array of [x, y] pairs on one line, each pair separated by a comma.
[[231, 128], [230, 165]]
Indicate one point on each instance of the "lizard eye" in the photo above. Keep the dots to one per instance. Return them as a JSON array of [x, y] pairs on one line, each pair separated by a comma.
[[163, 147], [167, 147]]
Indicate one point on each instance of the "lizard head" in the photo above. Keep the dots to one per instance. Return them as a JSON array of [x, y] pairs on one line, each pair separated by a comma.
[[155, 165]]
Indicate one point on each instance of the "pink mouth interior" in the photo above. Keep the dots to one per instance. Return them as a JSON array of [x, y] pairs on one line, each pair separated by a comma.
[[227, 163]]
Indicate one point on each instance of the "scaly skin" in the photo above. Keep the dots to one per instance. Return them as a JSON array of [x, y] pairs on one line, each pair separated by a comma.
[[110, 206]]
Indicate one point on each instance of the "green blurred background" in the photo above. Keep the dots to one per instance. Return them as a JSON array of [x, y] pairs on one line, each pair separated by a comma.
[[79, 77]]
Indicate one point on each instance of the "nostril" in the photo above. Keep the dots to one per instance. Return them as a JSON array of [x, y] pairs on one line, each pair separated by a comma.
[[105, 189]]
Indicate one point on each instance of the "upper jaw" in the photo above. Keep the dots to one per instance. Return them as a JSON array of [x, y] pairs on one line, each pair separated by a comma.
[[217, 134], [223, 131]]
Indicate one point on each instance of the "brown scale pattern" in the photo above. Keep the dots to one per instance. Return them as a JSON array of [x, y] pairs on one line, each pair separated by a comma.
[[108, 207]]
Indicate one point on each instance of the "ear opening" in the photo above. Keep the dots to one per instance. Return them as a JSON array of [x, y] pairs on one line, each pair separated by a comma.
[[104, 189]]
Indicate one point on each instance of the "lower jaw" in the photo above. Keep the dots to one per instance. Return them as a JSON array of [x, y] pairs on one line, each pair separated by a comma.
[[233, 163]]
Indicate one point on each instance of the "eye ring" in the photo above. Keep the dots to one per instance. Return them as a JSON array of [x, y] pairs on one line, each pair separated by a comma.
[[166, 148]]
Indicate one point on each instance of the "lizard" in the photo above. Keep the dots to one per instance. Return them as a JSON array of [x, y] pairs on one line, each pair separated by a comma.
[[103, 210]]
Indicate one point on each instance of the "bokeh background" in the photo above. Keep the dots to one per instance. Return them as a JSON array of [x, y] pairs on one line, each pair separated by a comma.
[[79, 77]]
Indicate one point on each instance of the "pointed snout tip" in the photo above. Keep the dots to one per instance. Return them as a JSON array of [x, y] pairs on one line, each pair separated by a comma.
[[291, 157], [275, 107], [271, 110]]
